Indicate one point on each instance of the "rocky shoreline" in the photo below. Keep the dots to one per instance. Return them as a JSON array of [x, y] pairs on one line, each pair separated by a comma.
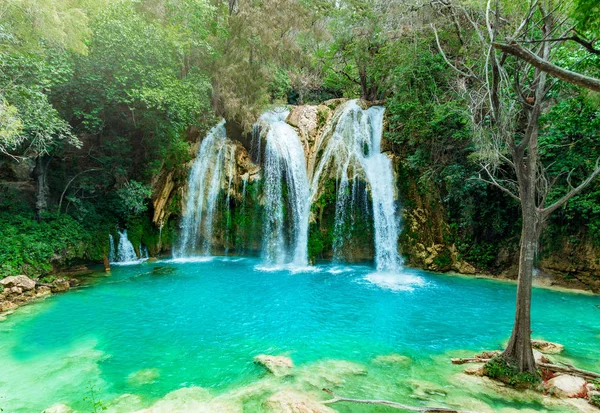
[[19, 290]]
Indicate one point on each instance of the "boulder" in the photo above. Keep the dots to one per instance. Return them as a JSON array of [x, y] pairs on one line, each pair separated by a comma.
[[565, 385], [18, 281], [547, 347], [58, 408], [60, 285], [278, 365], [288, 401]]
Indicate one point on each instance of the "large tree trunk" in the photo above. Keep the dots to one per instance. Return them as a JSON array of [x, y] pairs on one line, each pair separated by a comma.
[[518, 350], [40, 173]]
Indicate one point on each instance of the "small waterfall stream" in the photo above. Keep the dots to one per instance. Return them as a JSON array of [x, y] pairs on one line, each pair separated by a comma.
[[204, 185], [124, 253], [352, 151], [286, 190]]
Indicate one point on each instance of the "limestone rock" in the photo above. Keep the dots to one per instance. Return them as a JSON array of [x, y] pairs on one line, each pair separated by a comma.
[[547, 347], [58, 408], [565, 385], [60, 285], [6, 305], [42, 291], [475, 371], [287, 401], [278, 365], [464, 267], [540, 358], [19, 281]]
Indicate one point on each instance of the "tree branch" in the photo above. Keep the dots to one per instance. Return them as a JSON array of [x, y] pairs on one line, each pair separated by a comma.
[[547, 211], [495, 183], [578, 79], [337, 399], [69, 184]]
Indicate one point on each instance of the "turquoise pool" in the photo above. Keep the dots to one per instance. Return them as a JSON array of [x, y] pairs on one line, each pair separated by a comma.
[[150, 329]]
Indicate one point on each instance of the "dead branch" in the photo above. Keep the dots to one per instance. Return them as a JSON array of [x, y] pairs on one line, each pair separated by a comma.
[[338, 399], [569, 369], [469, 360], [578, 79], [574, 191]]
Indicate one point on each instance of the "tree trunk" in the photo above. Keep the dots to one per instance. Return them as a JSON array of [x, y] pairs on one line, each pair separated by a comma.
[[40, 173], [519, 349]]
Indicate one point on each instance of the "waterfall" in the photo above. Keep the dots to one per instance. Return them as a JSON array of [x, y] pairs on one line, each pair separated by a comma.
[[204, 184], [287, 207], [111, 254], [231, 170], [125, 251], [352, 151]]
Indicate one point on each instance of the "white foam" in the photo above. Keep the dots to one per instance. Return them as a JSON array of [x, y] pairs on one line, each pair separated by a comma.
[[185, 260], [395, 281]]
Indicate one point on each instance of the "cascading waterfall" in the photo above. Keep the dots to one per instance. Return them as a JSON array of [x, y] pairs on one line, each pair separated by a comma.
[[204, 184], [125, 251], [353, 150], [349, 150], [286, 190]]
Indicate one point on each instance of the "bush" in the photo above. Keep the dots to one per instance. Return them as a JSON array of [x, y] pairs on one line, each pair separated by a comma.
[[500, 369]]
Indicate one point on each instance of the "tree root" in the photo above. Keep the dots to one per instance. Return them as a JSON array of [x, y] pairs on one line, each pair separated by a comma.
[[556, 368], [337, 399]]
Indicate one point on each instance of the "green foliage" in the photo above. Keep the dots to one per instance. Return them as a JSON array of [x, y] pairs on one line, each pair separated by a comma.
[[30, 247], [587, 15], [500, 369], [96, 404], [133, 197]]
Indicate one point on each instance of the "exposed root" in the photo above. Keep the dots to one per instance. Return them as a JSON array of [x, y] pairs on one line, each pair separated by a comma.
[[337, 399]]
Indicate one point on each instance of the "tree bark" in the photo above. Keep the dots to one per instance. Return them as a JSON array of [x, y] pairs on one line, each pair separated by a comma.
[[519, 349], [40, 173], [550, 68]]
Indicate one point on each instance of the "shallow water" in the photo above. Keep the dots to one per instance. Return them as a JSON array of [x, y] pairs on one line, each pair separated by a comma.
[[154, 328]]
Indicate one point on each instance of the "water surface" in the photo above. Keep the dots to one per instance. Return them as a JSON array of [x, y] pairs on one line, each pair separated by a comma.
[[153, 328]]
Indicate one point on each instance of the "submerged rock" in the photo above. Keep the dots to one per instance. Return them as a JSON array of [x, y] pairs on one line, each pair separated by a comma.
[[288, 401], [192, 400], [21, 282], [58, 408], [547, 346], [392, 359], [278, 365], [145, 376], [565, 385], [329, 373]]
